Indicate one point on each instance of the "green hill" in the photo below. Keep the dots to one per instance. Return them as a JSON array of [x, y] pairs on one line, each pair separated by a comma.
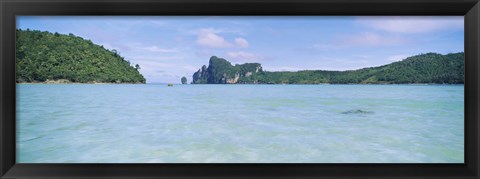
[[221, 71], [44, 56], [424, 68]]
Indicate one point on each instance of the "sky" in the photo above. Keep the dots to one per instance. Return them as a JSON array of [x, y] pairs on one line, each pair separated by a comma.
[[169, 47]]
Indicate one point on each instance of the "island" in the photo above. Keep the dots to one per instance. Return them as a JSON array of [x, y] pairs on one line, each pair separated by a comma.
[[45, 57], [429, 68]]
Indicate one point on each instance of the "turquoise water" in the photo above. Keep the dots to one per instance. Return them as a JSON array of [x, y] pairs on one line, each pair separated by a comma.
[[83, 123]]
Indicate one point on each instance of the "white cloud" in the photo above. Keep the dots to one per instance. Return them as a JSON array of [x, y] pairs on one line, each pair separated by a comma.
[[323, 46], [210, 38], [395, 58], [204, 53], [364, 38], [156, 23], [241, 42], [156, 58], [386, 31], [190, 68], [158, 49], [229, 30], [360, 40], [282, 68], [412, 24], [369, 38], [158, 71], [242, 56], [116, 46], [363, 56]]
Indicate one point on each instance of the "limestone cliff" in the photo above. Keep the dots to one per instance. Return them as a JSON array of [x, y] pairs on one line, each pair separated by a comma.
[[221, 71]]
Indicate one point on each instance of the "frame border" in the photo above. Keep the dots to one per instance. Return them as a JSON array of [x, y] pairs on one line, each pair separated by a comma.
[[10, 8]]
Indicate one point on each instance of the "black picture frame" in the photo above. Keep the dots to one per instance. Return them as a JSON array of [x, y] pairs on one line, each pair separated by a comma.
[[470, 9]]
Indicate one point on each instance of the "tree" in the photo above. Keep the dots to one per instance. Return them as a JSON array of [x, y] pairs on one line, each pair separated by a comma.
[[423, 68], [137, 66], [184, 80], [54, 56]]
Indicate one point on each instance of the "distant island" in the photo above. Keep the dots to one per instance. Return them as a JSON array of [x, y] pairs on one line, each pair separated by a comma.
[[429, 68], [44, 57]]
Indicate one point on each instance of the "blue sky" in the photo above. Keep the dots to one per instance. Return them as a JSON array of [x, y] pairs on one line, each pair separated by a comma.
[[169, 47]]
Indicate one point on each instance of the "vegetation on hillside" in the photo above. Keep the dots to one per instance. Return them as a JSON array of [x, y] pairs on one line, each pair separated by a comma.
[[423, 68], [42, 56], [221, 71]]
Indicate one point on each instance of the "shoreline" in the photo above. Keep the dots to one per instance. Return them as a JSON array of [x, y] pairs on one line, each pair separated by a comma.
[[332, 84], [261, 84], [44, 83], [68, 82], [65, 81]]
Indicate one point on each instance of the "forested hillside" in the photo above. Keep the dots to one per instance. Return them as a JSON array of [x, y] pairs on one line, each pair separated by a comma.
[[42, 56], [222, 71], [424, 68]]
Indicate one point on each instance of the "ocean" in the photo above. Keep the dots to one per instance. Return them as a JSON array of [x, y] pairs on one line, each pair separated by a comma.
[[154, 123]]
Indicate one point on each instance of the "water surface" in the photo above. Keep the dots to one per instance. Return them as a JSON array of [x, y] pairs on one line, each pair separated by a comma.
[[86, 123]]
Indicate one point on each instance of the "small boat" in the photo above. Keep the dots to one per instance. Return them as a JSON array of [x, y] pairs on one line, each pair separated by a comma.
[[170, 84]]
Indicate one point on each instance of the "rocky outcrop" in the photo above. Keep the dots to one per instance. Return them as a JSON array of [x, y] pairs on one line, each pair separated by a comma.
[[234, 79], [221, 71], [200, 76], [429, 68]]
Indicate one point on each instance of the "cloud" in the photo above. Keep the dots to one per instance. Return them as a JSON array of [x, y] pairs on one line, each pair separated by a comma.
[[158, 71], [363, 56], [366, 38], [102, 37], [117, 46], [395, 58], [202, 53], [324, 46], [158, 49], [370, 38], [147, 57], [273, 31], [361, 40], [412, 24], [348, 62], [241, 42], [388, 31], [242, 56], [210, 38], [282, 68], [154, 22]]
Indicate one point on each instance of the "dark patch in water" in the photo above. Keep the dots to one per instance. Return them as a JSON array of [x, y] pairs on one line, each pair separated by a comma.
[[271, 109], [35, 138], [357, 111]]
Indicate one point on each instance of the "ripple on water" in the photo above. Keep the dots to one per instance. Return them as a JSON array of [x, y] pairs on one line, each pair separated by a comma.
[[357, 111], [240, 123]]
